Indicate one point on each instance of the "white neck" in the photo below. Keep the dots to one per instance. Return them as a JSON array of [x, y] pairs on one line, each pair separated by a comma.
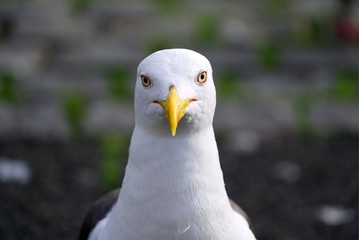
[[174, 184]]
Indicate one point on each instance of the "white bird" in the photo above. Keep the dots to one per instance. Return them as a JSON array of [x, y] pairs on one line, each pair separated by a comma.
[[173, 186]]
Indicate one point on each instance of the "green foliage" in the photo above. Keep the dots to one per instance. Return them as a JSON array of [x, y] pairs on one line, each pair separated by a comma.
[[268, 56], [114, 157], [80, 5], [302, 105], [167, 6], [228, 86], [315, 31], [276, 7], [158, 44], [118, 83], [74, 107], [206, 29], [345, 87], [8, 91]]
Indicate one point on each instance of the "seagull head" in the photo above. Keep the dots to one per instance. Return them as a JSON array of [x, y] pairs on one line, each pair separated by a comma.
[[174, 92]]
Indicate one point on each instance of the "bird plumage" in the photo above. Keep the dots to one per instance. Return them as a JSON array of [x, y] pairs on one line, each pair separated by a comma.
[[173, 186]]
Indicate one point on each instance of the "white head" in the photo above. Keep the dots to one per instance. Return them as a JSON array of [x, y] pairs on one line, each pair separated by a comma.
[[174, 85]]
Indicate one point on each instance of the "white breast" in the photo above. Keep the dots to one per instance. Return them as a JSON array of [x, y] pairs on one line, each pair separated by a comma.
[[170, 196]]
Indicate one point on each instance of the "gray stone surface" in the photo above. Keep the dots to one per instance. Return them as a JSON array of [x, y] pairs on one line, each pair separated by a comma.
[[52, 50]]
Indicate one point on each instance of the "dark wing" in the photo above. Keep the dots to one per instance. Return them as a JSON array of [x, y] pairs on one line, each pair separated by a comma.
[[97, 212], [239, 210]]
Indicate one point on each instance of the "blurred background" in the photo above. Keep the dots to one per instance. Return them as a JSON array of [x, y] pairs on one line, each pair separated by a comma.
[[286, 122]]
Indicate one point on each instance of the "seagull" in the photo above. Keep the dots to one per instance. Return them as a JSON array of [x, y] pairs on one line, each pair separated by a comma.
[[173, 186]]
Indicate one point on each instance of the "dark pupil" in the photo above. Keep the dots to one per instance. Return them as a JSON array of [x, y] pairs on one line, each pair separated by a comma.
[[202, 76], [145, 80]]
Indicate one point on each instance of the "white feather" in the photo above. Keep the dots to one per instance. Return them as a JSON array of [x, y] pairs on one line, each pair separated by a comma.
[[173, 186]]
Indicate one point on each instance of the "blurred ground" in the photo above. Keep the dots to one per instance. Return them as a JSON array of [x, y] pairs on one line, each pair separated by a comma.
[[286, 74], [292, 188]]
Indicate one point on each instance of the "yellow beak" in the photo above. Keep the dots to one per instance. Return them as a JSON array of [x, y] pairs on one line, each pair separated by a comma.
[[174, 108]]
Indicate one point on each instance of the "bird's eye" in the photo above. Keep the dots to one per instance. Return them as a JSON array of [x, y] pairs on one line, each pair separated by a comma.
[[202, 77], [146, 82]]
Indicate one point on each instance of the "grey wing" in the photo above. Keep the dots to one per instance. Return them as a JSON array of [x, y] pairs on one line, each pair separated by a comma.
[[239, 210], [97, 212]]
